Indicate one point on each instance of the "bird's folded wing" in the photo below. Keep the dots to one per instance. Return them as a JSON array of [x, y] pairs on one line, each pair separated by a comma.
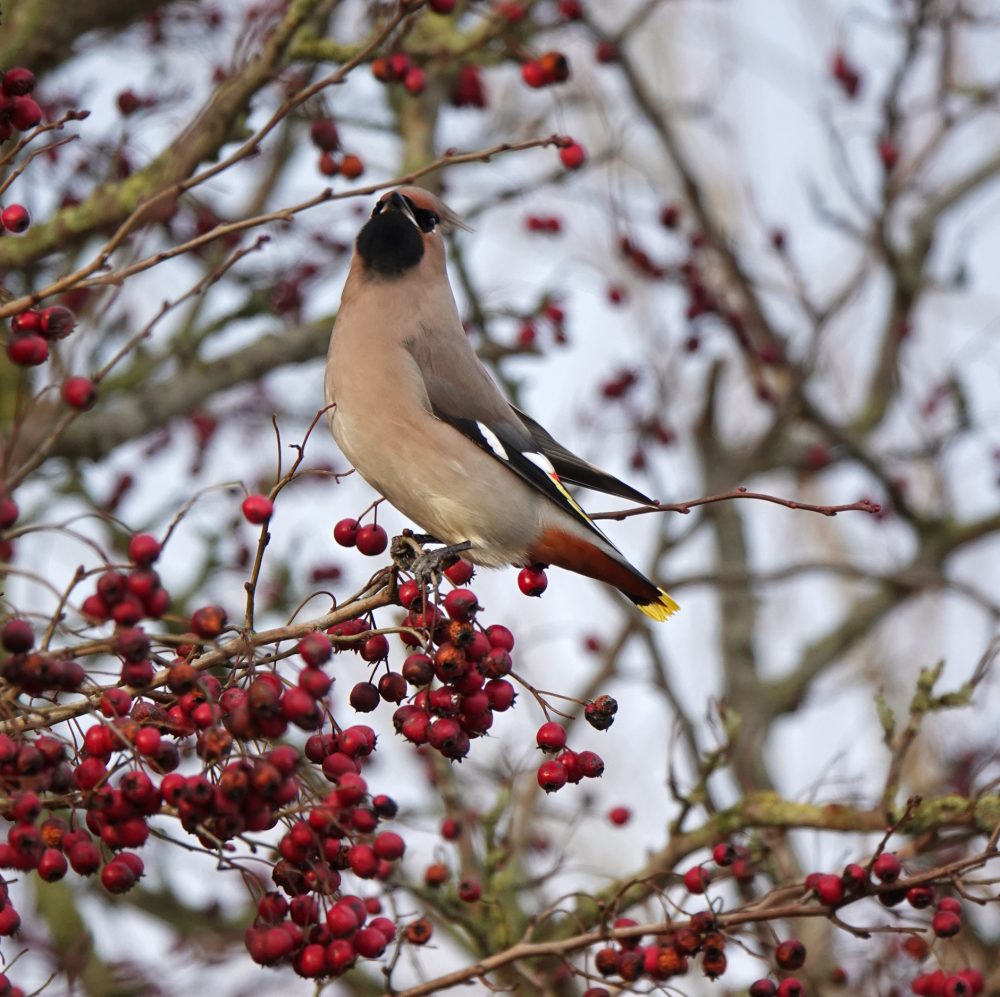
[[533, 467], [577, 471]]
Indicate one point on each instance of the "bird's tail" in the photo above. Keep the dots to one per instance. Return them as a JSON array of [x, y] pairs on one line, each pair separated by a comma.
[[567, 550], [660, 609]]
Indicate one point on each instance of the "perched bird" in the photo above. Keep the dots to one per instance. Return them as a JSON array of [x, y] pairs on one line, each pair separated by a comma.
[[422, 421]]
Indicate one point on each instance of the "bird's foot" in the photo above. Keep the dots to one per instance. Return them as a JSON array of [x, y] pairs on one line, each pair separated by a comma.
[[428, 565]]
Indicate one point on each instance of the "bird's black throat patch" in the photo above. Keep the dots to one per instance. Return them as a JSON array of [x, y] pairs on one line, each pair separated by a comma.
[[390, 244]]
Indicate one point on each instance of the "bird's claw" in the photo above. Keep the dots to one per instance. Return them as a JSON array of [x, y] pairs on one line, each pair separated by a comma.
[[425, 565]]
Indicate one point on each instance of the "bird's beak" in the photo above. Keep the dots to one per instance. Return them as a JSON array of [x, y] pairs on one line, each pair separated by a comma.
[[396, 202]]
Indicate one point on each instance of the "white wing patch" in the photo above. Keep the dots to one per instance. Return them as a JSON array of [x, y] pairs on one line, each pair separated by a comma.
[[495, 445]]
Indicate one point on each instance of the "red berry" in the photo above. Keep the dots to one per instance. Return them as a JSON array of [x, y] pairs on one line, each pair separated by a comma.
[[500, 636], [606, 51], [552, 776], [346, 532], [324, 135], [372, 540], [950, 903], [328, 164], [888, 152], [762, 988], [469, 890], [461, 605], [315, 649], [148, 741], [415, 80], [17, 636], [946, 923], [351, 167], [920, 896], [84, 858], [887, 867], [8, 513], [56, 322], [15, 218], [28, 351], [79, 393], [460, 573], [533, 74], [532, 581], [619, 816], [209, 621], [52, 865], [572, 156], [143, 549], [257, 509], [24, 113], [18, 81], [551, 737], [790, 987], [10, 920], [369, 943], [364, 697], [790, 954], [389, 846], [117, 876], [829, 889], [441, 6], [696, 879]]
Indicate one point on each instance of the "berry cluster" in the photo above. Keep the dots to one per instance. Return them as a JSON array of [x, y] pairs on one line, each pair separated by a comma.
[[128, 598], [325, 136], [32, 332], [19, 111], [397, 68]]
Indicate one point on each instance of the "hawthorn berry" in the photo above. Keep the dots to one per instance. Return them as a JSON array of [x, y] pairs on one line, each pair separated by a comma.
[[460, 572], [946, 923], [790, 987], [351, 167], [324, 135], [24, 113], [552, 776], [887, 867], [56, 322], [829, 889], [79, 393], [209, 621], [573, 156], [762, 988], [346, 532], [790, 954], [619, 816], [371, 539], [600, 712], [551, 737], [696, 879], [532, 581], [17, 636], [469, 890], [257, 509], [15, 218], [27, 351], [17, 82], [143, 549]]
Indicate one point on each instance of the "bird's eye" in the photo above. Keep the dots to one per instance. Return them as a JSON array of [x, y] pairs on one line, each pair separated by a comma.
[[377, 210], [427, 220]]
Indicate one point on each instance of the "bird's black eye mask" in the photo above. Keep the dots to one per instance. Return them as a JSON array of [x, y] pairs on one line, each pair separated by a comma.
[[390, 244], [426, 219]]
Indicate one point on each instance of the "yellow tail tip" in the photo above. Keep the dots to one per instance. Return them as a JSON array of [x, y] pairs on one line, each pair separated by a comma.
[[661, 610]]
